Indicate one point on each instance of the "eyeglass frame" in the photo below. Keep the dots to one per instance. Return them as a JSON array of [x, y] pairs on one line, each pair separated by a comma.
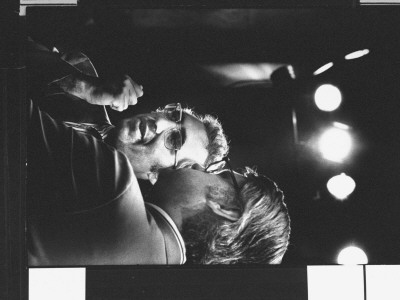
[[178, 128], [227, 162]]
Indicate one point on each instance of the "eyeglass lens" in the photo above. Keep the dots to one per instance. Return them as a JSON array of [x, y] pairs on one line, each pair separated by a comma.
[[175, 115], [173, 137], [174, 112]]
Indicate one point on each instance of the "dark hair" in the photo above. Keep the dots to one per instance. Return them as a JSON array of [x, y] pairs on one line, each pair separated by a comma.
[[259, 236]]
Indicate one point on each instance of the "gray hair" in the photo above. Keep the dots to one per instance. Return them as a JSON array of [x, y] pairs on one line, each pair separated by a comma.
[[217, 146]]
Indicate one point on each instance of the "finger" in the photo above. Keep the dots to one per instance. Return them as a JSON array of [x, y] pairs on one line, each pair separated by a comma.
[[129, 90], [132, 97], [130, 94], [126, 100], [117, 107], [114, 106], [137, 88], [118, 103]]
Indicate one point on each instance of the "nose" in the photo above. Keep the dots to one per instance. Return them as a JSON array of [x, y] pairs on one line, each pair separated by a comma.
[[164, 124]]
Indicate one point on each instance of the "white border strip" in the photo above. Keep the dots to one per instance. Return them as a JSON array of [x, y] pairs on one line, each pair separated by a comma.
[[57, 283], [379, 2], [48, 2], [335, 282]]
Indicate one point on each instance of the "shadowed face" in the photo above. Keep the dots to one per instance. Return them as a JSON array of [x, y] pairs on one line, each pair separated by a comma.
[[190, 188], [142, 139]]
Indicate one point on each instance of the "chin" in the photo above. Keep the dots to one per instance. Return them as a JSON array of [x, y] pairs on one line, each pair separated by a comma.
[[141, 175]]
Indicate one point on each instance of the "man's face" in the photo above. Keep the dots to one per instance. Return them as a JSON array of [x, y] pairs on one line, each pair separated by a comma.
[[141, 139]]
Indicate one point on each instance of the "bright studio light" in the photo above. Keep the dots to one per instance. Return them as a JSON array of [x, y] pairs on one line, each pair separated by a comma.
[[335, 144], [352, 256], [356, 54], [328, 97], [341, 186], [323, 68]]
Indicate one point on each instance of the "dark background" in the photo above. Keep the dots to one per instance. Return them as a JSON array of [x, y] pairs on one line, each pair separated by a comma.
[[165, 49]]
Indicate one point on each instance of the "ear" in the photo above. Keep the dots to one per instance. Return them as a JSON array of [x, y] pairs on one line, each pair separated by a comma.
[[230, 213], [153, 177]]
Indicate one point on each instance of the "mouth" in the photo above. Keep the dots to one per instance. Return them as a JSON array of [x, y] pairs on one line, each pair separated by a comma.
[[142, 129], [147, 130], [138, 131]]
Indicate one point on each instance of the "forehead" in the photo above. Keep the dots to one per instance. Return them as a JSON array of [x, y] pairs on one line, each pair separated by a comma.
[[195, 146]]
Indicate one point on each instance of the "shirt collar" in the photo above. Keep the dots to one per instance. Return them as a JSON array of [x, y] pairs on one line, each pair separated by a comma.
[[177, 237], [100, 131]]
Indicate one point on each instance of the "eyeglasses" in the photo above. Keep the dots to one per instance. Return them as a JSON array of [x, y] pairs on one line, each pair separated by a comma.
[[227, 162], [173, 137]]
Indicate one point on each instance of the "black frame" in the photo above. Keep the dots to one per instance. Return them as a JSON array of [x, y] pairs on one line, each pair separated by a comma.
[[14, 270]]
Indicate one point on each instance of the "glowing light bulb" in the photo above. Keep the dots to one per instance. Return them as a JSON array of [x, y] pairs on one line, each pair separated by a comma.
[[328, 97], [341, 186], [335, 144], [323, 68], [352, 256], [356, 54]]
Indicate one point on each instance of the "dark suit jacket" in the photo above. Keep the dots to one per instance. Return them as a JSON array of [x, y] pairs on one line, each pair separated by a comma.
[[84, 203]]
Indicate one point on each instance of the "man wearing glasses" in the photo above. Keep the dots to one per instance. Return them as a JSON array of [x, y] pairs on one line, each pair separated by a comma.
[[150, 141], [169, 137], [85, 206]]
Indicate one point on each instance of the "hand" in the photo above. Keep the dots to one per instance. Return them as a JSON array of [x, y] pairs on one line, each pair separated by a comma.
[[131, 91], [119, 92], [118, 98]]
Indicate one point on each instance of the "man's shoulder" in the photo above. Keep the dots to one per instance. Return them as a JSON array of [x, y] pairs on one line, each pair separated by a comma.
[[174, 244]]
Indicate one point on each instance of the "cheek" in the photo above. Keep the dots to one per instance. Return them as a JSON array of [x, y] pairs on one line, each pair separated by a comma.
[[195, 153], [140, 160], [160, 155]]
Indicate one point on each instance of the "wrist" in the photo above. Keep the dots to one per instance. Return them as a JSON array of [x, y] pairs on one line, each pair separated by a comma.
[[78, 85]]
